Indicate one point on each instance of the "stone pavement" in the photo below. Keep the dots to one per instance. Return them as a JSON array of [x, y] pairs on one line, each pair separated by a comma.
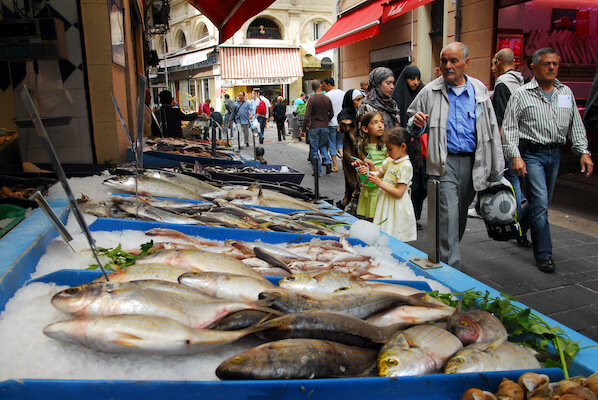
[[569, 296]]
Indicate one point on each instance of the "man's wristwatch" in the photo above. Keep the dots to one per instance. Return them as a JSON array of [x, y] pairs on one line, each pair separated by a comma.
[[586, 151]]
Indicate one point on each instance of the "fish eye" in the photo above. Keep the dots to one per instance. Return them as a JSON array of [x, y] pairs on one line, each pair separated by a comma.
[[392, 362], [238, 360], [290, 278], [72, 290], [463, 323]]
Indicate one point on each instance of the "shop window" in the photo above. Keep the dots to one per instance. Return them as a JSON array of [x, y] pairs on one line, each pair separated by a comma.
[[203, 32], [263, 28], [437, 15], [317, 29], [206, 88]]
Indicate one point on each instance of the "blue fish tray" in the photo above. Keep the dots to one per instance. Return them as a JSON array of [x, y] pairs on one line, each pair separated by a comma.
[[24, 245]]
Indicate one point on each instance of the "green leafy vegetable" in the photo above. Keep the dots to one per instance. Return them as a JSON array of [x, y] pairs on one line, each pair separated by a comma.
[[119, 258], [523, 326]]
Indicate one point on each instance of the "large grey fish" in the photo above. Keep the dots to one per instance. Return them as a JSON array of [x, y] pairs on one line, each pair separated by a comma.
[[148, 186], [325, 325], [139, 334], [193, 184], [137, 272], [363, 306], [419, 350], [162, 299], [298, 359], [199, 260], [497, 356], [225, 285], [154, 213], [476, 326]]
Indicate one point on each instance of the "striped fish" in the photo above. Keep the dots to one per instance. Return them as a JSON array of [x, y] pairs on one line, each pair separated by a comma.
[[199, 260]]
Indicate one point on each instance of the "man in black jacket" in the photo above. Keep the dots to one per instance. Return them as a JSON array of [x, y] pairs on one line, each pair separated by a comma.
[[170, 116], [508, 81]]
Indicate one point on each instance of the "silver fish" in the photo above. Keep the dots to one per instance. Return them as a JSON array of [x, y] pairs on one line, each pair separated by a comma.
[[497, 356], [155, 213], [162, 299], [136, 272], [148, 186], [200, 261], [139, 334], [298, 359], [418, 350], [195, 185], [226, 286], [324, 282], [409, 315], [363, 306]]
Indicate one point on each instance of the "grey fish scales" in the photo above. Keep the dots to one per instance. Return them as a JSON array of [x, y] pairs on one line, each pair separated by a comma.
[[298, 359]]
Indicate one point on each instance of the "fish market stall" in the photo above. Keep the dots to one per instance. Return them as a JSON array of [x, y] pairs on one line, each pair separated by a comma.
[[34, 245]]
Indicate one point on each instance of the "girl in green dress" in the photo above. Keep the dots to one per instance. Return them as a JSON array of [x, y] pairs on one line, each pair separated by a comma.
[[371, 147]]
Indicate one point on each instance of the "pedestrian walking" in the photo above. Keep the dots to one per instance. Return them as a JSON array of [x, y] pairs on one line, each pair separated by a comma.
[[464, 149], [381, 84], [335, 143], [241, 116], [279, 112], [229, 107], [507, 82], [407, 86], [538, 120], [318, 113]]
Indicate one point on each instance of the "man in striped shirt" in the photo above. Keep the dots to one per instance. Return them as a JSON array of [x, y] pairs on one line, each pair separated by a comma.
[[538, 119]]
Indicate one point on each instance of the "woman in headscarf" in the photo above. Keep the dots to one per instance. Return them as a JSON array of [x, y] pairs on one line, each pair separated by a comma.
[[406, 88], [347, 124], [408, 85], [379, 98]]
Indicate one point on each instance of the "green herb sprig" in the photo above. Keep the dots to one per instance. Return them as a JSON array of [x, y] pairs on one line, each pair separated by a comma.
[[119, 258], [523, 326]]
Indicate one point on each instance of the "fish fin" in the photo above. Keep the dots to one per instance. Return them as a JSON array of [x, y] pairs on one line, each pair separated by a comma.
[[495, 343], [126, 339], [267, 256], [423, 299]]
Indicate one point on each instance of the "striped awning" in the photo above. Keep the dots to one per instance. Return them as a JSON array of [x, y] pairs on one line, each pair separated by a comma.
[[243, 66]]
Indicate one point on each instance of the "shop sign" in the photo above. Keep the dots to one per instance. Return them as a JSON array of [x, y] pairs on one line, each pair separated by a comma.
[[399, 8], [258, 81]]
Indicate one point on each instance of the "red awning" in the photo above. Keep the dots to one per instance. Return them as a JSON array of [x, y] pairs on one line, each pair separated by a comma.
[[259, 66], [400, 7], [229, 15], [357, 25]]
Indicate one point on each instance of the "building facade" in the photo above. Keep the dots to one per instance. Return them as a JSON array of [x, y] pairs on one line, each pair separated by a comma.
[[417, 36], [273, 52]]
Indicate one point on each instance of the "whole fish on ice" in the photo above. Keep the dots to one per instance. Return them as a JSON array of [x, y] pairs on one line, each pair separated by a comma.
[[419, 350], [139, 334], [298, 359], [497, 356]]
